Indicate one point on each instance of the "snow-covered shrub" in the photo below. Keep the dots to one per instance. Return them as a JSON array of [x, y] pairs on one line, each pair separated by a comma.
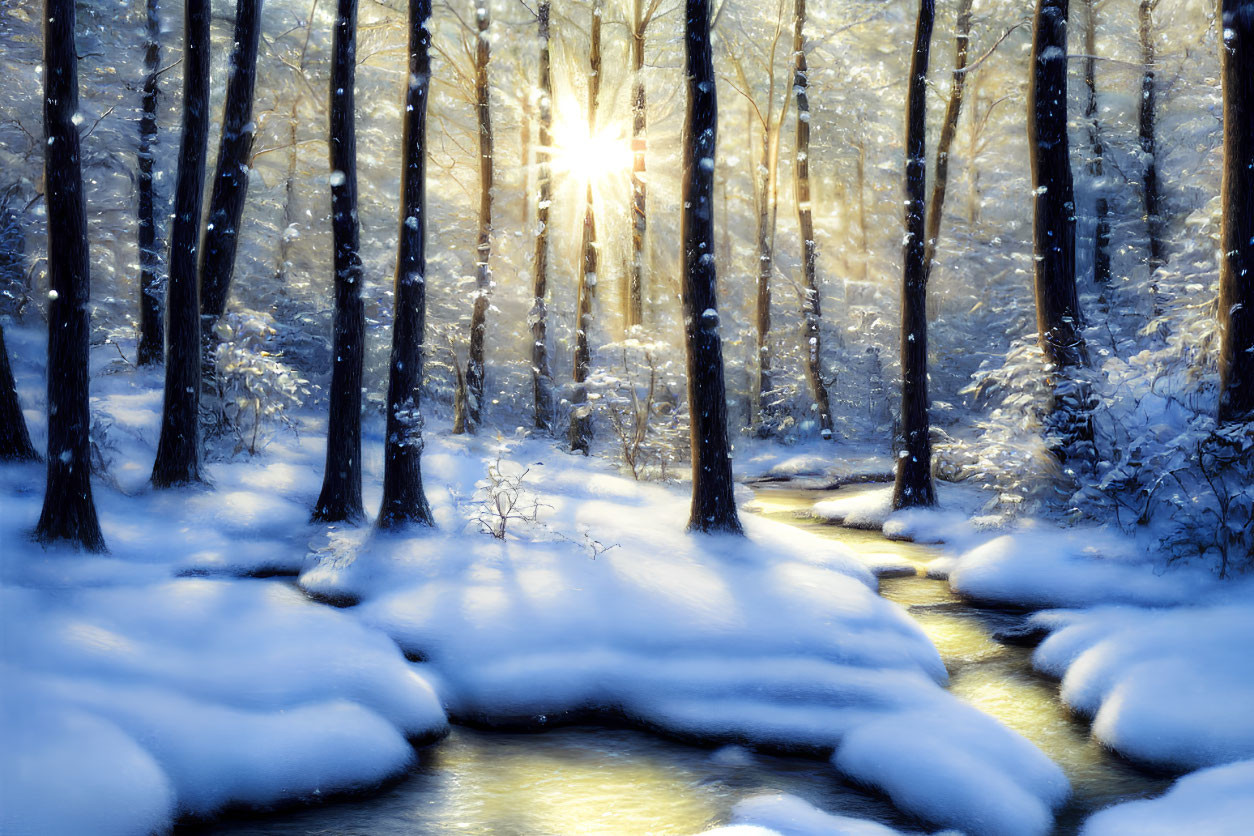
[[504, 497], [1011, 452], [252, 389], [638, 391]]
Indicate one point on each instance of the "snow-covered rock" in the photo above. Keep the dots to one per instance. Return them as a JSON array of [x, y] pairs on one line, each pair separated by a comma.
[[1218, 801]]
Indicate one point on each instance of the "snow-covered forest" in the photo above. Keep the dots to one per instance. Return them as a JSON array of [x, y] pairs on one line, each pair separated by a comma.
[[626, 416]]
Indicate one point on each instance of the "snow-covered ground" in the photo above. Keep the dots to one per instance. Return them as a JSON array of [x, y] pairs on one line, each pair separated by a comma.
[[153, 682]]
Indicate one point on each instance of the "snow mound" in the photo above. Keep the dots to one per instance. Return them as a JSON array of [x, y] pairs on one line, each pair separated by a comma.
[[1217, 801], [777, 814], [872, 508], [203, 693], [776, 639], [1170, 688], [1044, 567]]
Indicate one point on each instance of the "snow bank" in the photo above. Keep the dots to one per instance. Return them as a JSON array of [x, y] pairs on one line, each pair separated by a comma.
[[1170, 687], [1041, 566], [778, 639], [872, 508], [815, 461], [1218, 800], [777, 814]]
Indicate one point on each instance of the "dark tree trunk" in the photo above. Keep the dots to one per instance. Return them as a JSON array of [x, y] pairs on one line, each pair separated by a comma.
[[68, 511], [1057, 306], [580, 416], [483, 275], [403, 498], [639, 145], [1145, 121], [1059, 322], [811, 312], [14, 439], [913, 486], [151, 332], [1096, 165], [178, 450], [713, 495], [940, 180], [340, 499], [1236, 266], [230, 179], [542, 382]]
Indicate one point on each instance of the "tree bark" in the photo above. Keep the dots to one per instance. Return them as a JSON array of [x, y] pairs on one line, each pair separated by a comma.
[[403, 498], [1096, 166], [940, 180], [483, 276], [68, 511], [1070, 423], [1236, 265], [1145, 122], [230, 179], [767, 206], [1057, 305], [542, 382], [151, 328], [811, 311], [913, 486], [639, 145], [14, 438], [713, 495], [340, 499], [178, 450], [580, 416]]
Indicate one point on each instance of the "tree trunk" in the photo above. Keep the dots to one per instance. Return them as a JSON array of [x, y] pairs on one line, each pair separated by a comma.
[[483, 276], [580, 416], [68, 511], [542, 382], [340, 499], [713, 495], [151, 330], [1096, 166], [1236, 266], [403, 498], [949, 128], [639, 145], [230, 179], [860, 177], [913, 486], [178, 450], [1057, 306], [766, 204], [1145, 121], [293, 158], [1070, 423], [14, 439], [811, 311]]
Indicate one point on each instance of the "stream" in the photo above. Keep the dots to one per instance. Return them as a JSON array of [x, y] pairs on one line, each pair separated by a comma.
[[620, 782]]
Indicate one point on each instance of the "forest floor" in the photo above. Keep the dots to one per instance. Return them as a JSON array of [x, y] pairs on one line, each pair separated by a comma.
[[169, 678]]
